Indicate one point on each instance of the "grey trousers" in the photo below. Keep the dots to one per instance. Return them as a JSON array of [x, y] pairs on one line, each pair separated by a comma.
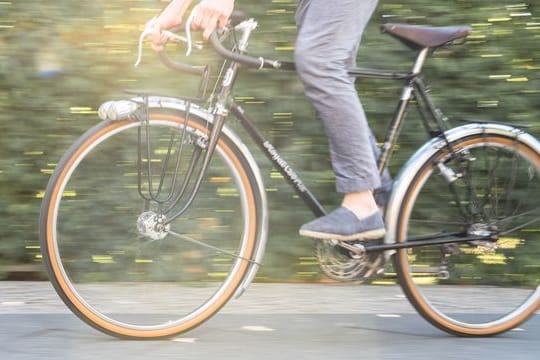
[[329, 34]]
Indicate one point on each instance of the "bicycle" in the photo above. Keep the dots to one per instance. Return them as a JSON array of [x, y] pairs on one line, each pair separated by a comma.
[[163, 196]]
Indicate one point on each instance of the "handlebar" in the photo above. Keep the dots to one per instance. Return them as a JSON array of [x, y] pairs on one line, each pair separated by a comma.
[[238, 21], [246, 60], [178, 66]]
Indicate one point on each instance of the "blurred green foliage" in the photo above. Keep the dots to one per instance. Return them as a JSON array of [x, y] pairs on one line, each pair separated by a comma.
[[60, 60]]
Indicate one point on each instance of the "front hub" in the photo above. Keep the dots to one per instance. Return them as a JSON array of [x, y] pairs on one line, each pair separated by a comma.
[[152, 225]]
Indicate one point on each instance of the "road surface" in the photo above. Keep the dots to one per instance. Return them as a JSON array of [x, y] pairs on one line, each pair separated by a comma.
[[271, 321]]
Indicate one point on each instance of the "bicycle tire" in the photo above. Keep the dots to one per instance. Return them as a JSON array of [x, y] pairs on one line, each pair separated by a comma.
[[122, 283], [491, 286]]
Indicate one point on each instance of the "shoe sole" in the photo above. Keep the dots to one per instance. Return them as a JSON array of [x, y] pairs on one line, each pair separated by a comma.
[[366, 235]]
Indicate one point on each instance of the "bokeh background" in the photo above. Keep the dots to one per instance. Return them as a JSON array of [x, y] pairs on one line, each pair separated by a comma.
[[60, 59]]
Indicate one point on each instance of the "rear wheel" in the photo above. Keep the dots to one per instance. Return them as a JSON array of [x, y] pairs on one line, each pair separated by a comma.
[[488, 187], [110, 254]]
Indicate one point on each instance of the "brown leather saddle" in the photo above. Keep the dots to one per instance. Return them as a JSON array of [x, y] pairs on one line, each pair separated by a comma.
[[417, 36]]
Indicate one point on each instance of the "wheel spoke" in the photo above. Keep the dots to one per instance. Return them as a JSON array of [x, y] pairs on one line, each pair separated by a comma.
[[207, 246]]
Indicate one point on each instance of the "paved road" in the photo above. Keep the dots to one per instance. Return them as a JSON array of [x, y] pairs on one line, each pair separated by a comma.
[[271, 321]]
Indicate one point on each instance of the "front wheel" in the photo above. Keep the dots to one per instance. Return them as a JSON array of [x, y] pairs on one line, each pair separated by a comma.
[[109, 256], [483, 187]]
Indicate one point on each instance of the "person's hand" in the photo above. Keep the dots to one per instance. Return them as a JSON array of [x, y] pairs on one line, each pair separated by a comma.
[[211, 14], [208, 15], [170, 17], [157, 38]]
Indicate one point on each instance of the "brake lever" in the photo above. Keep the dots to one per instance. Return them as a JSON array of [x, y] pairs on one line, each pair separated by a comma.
[[188, 29], [144, 33]]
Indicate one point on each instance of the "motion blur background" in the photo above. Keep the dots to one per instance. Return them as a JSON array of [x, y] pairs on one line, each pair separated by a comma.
[[60, 59]]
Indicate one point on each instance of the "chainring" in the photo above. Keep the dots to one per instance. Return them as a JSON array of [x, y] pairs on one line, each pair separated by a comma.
[[343, 265]]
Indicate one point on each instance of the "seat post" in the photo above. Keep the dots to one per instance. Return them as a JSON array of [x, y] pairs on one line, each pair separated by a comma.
[[420, 60]]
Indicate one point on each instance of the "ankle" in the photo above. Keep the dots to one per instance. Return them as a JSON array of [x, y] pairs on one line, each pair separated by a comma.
[[362, 212], [362, 204]]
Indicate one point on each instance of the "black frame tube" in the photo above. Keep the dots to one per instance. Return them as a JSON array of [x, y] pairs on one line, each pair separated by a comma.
[[433, 241], [288, 173]]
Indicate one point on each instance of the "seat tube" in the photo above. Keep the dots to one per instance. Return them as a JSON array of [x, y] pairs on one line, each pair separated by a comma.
[[420, 60], [399, 115], [394, 128]]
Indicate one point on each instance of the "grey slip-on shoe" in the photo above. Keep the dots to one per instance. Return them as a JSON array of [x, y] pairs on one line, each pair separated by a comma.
[[343, 225]]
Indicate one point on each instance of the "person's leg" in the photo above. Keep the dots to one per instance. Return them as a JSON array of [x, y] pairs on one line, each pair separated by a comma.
[[328, 39]]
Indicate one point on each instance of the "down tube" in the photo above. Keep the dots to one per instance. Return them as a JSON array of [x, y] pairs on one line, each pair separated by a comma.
[[279, 163]]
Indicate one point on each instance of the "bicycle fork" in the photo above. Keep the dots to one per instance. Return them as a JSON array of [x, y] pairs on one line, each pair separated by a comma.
[[170, 176]]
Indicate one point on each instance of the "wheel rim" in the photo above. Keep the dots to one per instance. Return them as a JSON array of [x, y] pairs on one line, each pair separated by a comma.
[[147, 292], [507, 291]]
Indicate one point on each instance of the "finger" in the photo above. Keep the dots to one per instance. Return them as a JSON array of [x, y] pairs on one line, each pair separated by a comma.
[[210, 25], [155, 37], [198, 19], [158, 40], [222, 21], [157, 47], [209, 19], [156, 34], [208, 31]]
